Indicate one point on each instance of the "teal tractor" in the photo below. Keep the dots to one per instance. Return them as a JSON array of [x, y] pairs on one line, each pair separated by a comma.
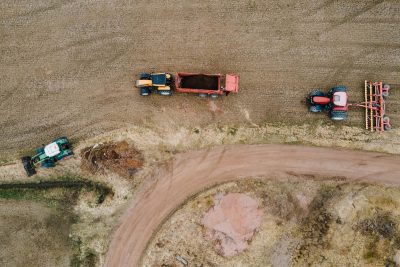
[[47, 156]]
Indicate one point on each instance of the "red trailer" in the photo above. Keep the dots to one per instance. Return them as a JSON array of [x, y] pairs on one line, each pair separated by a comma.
[[206, 84]]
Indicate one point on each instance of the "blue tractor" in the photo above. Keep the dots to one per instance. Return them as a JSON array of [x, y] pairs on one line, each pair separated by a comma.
[[159, 83], [47, 156]]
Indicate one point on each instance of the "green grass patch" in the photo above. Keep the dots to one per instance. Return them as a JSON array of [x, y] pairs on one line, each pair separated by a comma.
[[65, 189]]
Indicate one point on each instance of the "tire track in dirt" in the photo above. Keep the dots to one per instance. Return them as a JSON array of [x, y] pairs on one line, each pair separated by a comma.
[[190, 173], [318, 8], [352, 16], [41, 10], [80, 43], [348, 63]]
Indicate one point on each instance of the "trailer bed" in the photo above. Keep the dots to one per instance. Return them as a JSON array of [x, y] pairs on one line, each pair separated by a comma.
[[200, 81]]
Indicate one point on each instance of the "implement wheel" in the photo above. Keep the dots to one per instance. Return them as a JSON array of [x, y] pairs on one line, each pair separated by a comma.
[[385, 92], [214, 96], [386, 123]]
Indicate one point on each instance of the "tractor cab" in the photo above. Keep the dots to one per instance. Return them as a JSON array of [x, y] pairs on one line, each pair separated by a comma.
[[52, 149], [339, 106], [160, 79], [340, 99]]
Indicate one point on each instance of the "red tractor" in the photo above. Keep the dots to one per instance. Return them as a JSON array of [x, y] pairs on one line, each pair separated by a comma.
[[334, 102]]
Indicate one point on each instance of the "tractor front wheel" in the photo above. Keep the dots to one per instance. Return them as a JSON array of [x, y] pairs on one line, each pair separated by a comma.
[[144, 91], [315, 108], [316, 93]]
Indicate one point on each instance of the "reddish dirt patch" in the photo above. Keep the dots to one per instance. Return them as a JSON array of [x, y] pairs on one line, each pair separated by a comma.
[[232, 222], [120, 158], [214, 108]]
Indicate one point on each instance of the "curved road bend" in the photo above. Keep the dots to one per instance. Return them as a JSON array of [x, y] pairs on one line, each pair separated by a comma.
[[191, 172]]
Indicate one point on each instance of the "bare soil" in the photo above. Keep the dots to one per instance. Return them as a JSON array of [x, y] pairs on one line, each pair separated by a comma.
[[305, 223], [231, 222], [68, 67], [32, 234]]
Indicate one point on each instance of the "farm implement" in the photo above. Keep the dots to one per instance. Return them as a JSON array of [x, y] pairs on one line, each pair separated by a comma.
[[47, 156], [336, 104], [375, 94]]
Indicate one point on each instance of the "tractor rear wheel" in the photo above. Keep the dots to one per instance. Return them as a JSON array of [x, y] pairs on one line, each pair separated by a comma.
[[27, 162], [69, 153], [339, 88], [337, 115], [145, 76], [48, 163], [60, 138]]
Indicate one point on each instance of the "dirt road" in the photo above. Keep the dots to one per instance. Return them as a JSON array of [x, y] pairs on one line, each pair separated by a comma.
[[67, 66], [191, 172]]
